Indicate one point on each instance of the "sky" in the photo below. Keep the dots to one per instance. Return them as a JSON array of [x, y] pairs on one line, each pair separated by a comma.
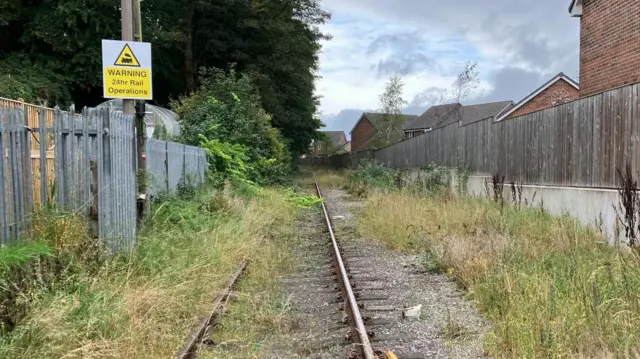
[[518, 45]]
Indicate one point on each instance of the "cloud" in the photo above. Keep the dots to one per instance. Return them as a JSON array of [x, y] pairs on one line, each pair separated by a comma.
[[518, 44], [404, 64]]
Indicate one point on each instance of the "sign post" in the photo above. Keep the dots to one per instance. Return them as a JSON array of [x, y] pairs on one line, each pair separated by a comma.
[[126, 70], [126, 74]]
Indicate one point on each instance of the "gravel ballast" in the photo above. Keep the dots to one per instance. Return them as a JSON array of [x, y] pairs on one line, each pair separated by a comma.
[[448, 325]]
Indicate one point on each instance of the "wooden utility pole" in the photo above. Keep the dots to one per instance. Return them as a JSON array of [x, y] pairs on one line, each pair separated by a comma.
[[141, 131], [126, 10], [132, 31]]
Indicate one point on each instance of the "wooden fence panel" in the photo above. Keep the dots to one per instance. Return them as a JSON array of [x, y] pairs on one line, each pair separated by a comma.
[[581, 143]]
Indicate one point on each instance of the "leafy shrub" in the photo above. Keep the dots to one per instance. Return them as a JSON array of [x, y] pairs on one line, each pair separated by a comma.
[[371, 173], [435, 178], [302, 200], [33, 82], [225, 117]]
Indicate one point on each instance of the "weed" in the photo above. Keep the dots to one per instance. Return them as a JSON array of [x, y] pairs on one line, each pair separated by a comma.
[[551, 287], [435, 178], [628, 211], [462, 176], [452, 330], [516, 194], [300, 200], [497, 184], [330, 179], [371, 173]]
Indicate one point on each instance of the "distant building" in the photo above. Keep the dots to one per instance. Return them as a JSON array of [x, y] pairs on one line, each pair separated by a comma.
[[345, 149], [371, 123], [560, 89], [335, 141], [609, 43]]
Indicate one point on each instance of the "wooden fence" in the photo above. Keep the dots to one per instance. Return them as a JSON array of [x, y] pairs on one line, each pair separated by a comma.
[[580, 143], [32, 116]]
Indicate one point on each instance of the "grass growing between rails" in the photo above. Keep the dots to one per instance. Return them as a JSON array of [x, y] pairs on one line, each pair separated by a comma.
[[143, 305], [258, 316], [327, 178], [551, 287]]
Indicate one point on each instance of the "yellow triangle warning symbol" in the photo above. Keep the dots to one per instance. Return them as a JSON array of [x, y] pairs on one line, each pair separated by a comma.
[[127, 58]]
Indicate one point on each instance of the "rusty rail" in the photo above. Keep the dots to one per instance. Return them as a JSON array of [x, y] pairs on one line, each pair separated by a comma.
[[190, 348], [359, 334]]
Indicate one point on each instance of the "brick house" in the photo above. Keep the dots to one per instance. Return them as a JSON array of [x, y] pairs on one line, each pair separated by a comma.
[[609, 43], [368, 125], [560, 89], [335, 141]]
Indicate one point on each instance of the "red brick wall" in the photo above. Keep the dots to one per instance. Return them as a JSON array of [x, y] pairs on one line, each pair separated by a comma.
[[609, 45], [361, 134], [556, 94]]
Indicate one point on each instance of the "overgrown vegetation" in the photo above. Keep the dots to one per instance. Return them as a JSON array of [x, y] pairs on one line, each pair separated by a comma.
[[55, 249], [224, 116], [139, 305], [371, 174], [553, 288], [628, 210]]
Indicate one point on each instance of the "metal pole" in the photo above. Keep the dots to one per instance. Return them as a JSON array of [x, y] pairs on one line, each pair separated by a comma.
[[141, 132]]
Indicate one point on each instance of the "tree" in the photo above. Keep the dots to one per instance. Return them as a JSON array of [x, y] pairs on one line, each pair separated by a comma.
[[391, 103], [51, 50], [466, 81]]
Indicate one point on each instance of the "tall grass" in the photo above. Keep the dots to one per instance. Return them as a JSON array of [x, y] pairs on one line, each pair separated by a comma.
[[552, 287], [143, 305]]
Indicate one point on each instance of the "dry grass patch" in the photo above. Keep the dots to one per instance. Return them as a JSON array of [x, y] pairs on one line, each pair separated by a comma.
[[143, 305], [552, 288]]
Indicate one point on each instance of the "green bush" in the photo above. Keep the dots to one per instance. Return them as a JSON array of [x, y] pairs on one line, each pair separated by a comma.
[[371, 173], [434, 178], [225, 117]]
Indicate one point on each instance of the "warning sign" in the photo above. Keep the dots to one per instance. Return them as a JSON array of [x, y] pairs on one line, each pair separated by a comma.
[[126, 70], [127, 58]]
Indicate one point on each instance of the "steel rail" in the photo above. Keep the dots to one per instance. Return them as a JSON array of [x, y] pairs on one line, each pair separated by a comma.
[[190, 348], [363, 344]]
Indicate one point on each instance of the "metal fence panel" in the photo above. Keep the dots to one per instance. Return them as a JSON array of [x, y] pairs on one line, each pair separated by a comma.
[[157, 177], [170, 164], [85, 162], [175, 161]]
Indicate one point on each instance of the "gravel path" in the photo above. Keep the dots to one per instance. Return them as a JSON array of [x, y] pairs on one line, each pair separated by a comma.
[[396, 280]]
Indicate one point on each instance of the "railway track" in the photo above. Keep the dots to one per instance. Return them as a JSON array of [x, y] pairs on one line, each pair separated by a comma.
[[201, 332], [357, 332], [351, 299]]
